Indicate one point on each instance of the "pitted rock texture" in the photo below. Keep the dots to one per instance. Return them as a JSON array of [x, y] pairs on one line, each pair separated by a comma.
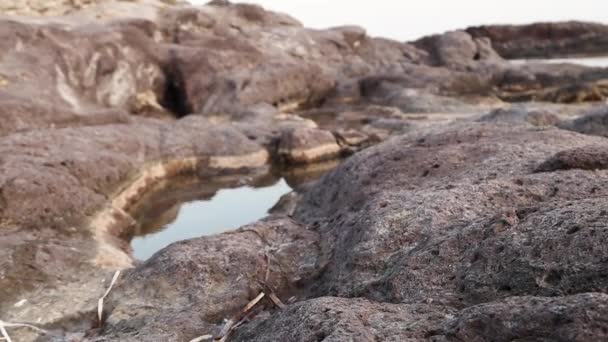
[[417, 190], [224, 272], [448, 225], [473, 220], [340, 319]]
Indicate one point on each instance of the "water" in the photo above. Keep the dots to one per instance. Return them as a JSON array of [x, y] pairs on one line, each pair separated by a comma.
[[228, 209], [586, 61]]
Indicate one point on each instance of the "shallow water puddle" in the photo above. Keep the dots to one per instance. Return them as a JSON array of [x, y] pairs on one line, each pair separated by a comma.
[[228, 209], [586, 61]]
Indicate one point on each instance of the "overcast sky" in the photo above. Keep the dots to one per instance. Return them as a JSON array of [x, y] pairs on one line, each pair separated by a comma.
[[406, 20]]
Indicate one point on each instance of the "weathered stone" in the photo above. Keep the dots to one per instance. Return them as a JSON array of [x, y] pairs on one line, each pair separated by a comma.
[[212, 278], [458, 50], [456, 219], [583, 158], [65, 194], [392, 219], [521, 114], [307, 145], [593, 123], [545, 40], [573, 318], [340, 319]]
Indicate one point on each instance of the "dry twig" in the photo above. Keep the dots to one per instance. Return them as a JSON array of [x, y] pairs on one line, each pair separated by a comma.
[[202, 338], [100, 302], [238, 319], [4, 325], [4, 332]]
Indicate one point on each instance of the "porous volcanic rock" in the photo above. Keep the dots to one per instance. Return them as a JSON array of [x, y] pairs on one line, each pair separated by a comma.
[[212, 278], [571, 318], [443, 225], [455, 219], [398, 220], [340, 319]]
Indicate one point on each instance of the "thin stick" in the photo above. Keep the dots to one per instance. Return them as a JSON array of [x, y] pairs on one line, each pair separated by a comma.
[[202, 338], [253, 302], [4, 332], [267, 268], [226, 328], [232, 322], [275, 299], [100, 303], [24, 325]]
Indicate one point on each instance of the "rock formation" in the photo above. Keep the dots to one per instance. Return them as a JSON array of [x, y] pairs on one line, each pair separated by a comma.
[[469, 203]]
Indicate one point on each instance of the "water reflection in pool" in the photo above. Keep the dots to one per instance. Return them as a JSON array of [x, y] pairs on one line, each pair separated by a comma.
[[228, 209], [188, 207]]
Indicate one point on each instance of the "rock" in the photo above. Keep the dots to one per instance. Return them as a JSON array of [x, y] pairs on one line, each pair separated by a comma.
[[455, 219], [458, 50], [286, 204], [572, 318], [341, 319], [225, 271], [521, 114], [594, 122], [583, 158], [545, 40], [307, 145], [393, 219], [413, 101], [65, 7], [351, 137], [62, 213], [69, 75]]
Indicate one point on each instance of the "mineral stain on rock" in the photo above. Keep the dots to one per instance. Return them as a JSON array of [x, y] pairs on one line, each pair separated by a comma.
[[442, 191]]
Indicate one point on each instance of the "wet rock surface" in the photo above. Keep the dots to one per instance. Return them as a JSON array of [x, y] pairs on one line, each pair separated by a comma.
[[460, 215]]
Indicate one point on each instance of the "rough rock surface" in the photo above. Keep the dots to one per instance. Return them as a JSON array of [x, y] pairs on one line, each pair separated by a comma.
[[224, 272], [594, 122], [545, 40], [471, 220], [522, 114], [307, 145]]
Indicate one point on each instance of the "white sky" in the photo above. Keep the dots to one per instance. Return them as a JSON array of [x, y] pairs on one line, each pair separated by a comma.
[[407, 20]]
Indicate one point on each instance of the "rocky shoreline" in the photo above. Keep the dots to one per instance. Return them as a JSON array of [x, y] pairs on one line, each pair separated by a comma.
[[469, 205]]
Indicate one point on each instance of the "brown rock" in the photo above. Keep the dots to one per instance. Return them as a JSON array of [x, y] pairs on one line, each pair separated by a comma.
[[458, 50], [307, 145], [573, 318], [545, 40], [594, 122], [341, 319], [212, 278], [521, 114], [392, 219], [583, 158]]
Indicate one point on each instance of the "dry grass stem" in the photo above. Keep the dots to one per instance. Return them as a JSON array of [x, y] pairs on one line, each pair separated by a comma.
[[4, 332], [202, 338], [232, 323], [100, 303]]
